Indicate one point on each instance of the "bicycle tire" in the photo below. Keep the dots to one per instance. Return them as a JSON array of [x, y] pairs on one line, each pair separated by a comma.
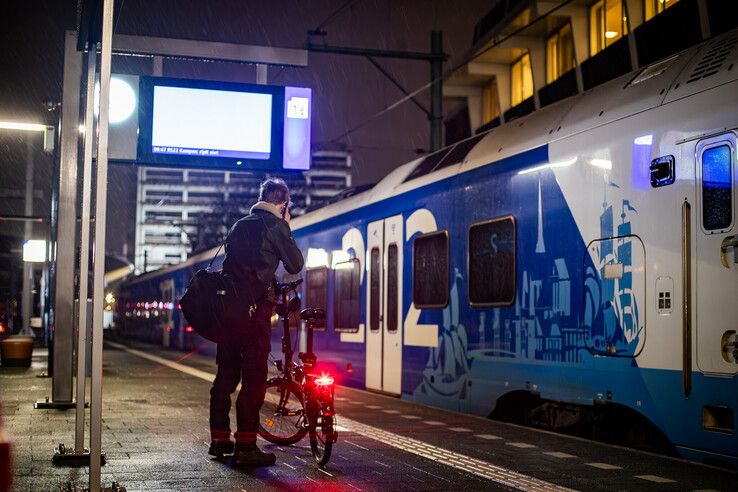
[[282, 415], [321, 440]]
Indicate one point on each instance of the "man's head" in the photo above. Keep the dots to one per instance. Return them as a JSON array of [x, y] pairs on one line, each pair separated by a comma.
[[275, 191]]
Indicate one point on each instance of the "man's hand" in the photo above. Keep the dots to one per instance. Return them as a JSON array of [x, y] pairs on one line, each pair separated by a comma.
[[286, 213]]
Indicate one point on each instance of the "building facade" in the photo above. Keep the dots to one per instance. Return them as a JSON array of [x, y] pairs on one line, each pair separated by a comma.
[[176, 209], [528, 54]]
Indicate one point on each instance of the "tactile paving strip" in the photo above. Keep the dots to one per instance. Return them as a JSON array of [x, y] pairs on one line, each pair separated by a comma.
[[444, 456]]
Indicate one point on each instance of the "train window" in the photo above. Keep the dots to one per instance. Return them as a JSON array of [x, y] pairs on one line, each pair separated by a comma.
[[392, 288], [430, 270], [459, 152], [492, 271], [316, 291], [346, 295], [427, 165], [374, 279], [717, 192]]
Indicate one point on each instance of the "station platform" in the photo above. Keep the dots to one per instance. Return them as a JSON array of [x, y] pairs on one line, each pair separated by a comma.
[[155, 436]]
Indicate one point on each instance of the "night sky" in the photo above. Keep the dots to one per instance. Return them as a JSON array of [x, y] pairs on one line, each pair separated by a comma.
[[347, 90]]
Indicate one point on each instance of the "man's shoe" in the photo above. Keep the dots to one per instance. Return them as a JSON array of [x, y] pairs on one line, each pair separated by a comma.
[[254, 457], [220, 448]]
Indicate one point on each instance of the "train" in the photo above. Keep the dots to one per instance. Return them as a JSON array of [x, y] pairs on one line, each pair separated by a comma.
[[575, 269]]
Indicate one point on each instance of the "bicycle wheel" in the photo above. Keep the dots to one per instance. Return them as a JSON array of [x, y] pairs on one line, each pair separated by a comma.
[[322, 438], [282, 416]]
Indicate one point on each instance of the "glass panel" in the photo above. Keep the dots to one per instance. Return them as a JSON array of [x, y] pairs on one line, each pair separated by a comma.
[[614, 21], [717, 193], [596, 28], [653, 7], [316, 291], [559, 54], [566, 50], [430, 270], [346, 296], [490, 102], [392, 290], [552, 58], [492, 262], [374, 278], [522, 80]]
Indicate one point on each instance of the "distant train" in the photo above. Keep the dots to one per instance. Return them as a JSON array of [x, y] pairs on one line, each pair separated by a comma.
[[574, 269]]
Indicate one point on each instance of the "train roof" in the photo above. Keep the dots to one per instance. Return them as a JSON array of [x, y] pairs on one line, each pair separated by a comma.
[[696, 69]]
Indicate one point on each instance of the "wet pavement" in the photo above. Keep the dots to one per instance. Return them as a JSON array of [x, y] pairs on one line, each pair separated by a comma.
[[155, 436]]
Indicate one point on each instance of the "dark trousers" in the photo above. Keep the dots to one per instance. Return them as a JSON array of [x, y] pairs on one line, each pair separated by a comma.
[[243, 358]]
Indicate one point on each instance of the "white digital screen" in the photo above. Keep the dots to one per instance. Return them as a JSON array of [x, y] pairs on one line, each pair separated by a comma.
[[211, 123]]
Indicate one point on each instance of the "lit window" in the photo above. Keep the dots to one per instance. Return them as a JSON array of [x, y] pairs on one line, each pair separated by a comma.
[[521, 82], [607, 24], [490, 102], [654, 7], [717, 190], [559, 54]]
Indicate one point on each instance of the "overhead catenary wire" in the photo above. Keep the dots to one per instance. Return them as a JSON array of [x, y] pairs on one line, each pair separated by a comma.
[[409, 96], [332, 16]]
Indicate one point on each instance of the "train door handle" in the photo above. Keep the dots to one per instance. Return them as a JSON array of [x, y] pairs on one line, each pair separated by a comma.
[[729, 242]]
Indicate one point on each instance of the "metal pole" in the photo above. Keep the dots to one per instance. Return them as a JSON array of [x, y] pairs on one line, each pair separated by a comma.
[[99, 252], [84, 251], [28, 232], [63, 329], [436, 90]]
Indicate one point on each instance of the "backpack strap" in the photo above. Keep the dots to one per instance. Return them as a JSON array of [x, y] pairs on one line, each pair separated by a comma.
[[215, 255]]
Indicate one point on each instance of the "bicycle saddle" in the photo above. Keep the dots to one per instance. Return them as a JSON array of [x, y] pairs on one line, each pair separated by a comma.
[[314, 314]]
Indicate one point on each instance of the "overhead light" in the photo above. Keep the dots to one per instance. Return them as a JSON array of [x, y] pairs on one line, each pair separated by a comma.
[[339, 259], [316, 257], [611, 34], [25, 127], [122, 100], [601, 163], [34, 251]]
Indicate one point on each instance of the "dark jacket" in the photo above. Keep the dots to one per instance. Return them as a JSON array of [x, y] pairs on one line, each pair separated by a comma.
[[257, 243]]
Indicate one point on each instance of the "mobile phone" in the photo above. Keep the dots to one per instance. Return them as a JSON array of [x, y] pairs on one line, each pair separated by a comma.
[[284, 211]]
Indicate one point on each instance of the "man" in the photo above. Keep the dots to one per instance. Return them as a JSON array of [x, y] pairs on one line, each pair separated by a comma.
[[253, 249]]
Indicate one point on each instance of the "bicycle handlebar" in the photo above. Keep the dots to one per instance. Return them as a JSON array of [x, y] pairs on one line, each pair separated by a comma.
[[288, 286]]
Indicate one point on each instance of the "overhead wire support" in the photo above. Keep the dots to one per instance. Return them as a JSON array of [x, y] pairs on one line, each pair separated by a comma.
[[448, 73], [436, 58]]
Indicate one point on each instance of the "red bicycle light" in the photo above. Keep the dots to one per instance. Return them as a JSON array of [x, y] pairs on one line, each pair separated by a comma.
[[324, 380], [189, 329]]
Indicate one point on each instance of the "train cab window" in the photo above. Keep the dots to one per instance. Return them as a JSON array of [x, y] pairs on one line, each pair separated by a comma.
[[375, 276], [717, 189], [346, 294], [392, 288], [431, 270], [492, 271], [316, 291]]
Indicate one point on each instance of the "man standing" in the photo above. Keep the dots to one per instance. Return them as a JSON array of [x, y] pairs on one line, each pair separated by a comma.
[[253, 249]]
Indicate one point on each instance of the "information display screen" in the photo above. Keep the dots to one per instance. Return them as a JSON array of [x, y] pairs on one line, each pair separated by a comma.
[[211, 123], [206, 124]]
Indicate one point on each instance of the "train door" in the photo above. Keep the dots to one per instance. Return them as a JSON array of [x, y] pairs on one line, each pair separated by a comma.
[[384, 305], [716, 242]]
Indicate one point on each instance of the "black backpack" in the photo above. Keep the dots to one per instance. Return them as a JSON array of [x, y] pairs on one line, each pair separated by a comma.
[[213, 298]]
